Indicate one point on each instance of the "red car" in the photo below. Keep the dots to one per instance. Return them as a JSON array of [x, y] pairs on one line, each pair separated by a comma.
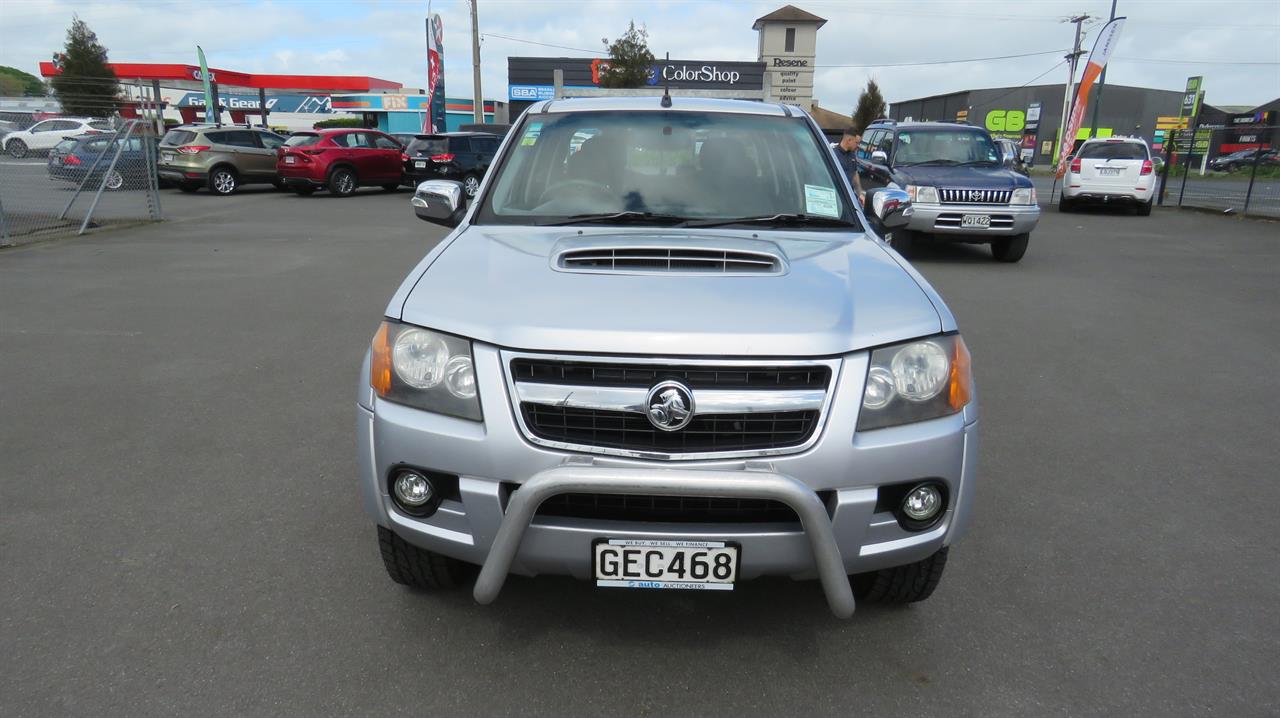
[[340, 161]]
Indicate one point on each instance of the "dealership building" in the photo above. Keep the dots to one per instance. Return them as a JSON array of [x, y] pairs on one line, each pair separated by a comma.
[[1032, 115]]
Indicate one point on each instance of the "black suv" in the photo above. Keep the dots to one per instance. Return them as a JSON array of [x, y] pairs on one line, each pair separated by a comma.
[[460, 156], [960, 187]]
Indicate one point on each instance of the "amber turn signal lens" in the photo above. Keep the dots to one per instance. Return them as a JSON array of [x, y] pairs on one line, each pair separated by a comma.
[[961, 376], [380, 361]]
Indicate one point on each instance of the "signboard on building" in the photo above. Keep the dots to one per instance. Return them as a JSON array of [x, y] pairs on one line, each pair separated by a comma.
[[533, 78], [249, 103], [1192, 96]]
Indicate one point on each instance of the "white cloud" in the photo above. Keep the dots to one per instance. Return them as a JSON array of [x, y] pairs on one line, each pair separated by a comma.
[[387, 39]]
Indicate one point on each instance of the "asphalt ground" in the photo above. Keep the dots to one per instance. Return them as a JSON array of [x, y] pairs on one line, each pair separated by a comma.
[[180, 531]]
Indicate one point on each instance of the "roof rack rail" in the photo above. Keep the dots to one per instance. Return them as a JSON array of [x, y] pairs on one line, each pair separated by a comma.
[[886, 120]]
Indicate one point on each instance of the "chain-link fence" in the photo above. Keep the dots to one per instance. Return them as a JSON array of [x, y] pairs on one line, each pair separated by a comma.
[[1231, 170], [64, 176]]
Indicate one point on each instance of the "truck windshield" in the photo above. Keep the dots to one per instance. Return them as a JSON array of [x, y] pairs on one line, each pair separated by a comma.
[[666, 167], [944, 147]]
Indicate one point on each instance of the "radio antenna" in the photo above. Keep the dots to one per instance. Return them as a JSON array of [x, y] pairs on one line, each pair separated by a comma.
[[666, 86]]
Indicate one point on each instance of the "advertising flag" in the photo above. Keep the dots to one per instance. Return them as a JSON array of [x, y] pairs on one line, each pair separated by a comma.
[[1102, 48], [435, 75], [210, 107]]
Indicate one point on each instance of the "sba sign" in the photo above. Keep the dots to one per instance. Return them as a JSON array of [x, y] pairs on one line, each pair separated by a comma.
[[1006, 120]]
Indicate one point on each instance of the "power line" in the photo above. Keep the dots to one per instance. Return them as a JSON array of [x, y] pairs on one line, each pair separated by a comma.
[[949, 62], [1060, 63], [543, 44]]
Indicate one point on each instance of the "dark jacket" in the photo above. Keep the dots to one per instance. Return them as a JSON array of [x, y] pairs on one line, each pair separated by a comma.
[[849, 164]]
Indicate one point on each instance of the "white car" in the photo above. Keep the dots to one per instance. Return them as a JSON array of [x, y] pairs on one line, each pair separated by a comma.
[[1114, 170], [43, 135]]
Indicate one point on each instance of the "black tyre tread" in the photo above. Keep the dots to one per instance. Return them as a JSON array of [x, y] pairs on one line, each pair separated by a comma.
[[1144, 210], [1064, 205], [411, 566], [906, 584], [903, 240], [1010, 249]]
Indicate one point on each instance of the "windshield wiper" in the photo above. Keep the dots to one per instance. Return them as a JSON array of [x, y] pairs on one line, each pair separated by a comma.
[[971, 163], [790, 220], [928, 162], [613, 218]]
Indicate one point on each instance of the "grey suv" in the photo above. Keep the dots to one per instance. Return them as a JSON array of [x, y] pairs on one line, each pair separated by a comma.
[[220, 158], [664, 349]]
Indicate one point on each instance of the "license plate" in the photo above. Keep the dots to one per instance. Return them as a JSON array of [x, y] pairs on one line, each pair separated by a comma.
[[421, 164], [290, 159], [1109, 171], [167, 156], [975, 220], [643, 563]]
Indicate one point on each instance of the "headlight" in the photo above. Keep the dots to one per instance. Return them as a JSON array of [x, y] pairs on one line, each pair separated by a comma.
[[425, 369], [922, 195], [915, 381], [1023, 195]]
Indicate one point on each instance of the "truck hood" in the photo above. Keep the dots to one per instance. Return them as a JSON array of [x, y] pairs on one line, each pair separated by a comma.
[[502, 285], [967, 177]]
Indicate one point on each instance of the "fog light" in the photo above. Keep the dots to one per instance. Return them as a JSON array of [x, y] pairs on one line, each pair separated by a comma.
[[412, 489], [922, 503]]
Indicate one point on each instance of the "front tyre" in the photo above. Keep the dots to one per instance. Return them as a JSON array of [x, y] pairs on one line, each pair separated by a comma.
[[411, 566], [902, 240], [342, 182], [1010, 249], [902, 584]]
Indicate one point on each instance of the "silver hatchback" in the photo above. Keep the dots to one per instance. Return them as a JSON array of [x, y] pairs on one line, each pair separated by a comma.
[[664, 348]]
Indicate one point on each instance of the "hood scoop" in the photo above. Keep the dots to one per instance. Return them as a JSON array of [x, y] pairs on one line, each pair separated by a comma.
[[722, 256]]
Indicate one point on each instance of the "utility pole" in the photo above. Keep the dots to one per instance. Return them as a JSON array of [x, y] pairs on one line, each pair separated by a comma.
[[1065, 143], [1102, 81], [477, 104]]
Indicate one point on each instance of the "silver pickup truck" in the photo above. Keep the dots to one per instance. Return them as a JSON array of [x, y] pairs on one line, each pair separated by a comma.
[[663, 348]]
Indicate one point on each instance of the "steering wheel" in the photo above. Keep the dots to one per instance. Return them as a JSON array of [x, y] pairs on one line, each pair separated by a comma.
[[601, 193]]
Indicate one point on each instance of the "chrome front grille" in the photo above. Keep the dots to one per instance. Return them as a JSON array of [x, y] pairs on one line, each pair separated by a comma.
[[957, 195], [599, 404]]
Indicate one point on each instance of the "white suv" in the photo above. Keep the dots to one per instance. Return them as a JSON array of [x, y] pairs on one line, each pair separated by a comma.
[[1115, 170], [43, 135]]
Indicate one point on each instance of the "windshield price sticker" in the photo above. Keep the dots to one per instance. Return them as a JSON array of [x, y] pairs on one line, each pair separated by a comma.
[[530, 137], [821, 201]]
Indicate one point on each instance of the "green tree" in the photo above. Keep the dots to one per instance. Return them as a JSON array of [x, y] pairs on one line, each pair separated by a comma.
[[15, 82], [630, 60], [86, 85], [870, 107]]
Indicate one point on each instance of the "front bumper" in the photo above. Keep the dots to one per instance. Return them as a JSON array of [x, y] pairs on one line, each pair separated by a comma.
[[945, 219], [503, 478]]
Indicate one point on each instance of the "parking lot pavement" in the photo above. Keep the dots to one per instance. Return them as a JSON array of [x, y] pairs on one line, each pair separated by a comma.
[[180, 532]]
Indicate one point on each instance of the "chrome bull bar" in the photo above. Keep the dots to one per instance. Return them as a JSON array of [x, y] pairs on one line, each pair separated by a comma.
[[742, 484]]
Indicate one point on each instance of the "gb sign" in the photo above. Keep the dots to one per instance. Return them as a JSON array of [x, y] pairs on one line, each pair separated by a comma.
[[1006, 120]]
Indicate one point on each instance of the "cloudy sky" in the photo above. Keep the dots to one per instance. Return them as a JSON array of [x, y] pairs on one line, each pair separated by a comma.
[[1235, 44]]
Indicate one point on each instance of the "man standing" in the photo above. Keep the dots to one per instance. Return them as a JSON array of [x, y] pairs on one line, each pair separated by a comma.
[[847, 153]]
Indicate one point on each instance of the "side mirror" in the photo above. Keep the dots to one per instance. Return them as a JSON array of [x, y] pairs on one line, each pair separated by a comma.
[[879, 157], [439, 202], [892, 207]]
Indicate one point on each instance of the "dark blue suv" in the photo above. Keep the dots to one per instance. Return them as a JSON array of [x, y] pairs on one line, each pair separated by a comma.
[[959, 185]]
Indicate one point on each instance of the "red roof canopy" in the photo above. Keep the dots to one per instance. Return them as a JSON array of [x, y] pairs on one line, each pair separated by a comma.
[[188, 77]]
